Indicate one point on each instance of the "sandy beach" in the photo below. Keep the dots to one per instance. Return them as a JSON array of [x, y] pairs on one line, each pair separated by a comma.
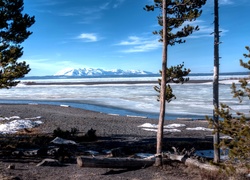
[[118, 130]]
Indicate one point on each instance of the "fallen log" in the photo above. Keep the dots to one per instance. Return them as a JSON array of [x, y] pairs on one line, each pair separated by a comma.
[[193, 162], [119, 163], [206, 166]]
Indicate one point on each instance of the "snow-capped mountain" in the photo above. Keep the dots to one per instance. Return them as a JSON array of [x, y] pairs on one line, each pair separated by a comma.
[[98, 72]]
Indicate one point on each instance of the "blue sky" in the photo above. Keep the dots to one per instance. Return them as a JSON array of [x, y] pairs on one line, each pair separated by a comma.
[[117, 34]]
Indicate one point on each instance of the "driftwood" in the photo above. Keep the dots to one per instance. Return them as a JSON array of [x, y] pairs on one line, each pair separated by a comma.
[[206, 166], [184, 157], [192, 162], [129, 163], [133, 163], [119, 163]]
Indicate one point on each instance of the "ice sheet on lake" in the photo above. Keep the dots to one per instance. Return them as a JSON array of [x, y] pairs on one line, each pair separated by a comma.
[[138, 98], [128, 98]]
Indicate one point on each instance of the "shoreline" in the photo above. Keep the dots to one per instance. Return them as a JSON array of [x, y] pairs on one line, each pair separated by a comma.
[[112, 132], [109, 110], [66, 118], [31, 83]]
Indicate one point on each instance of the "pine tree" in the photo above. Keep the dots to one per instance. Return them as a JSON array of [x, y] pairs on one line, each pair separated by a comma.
[[237, 126], [174, 74], [174, 13], [216, 137], [13, 31]]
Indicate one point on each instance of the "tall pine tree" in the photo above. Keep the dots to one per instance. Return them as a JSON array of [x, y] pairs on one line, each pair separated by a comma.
[[174, 13], [216, 136], [13, 31], [237, 125]]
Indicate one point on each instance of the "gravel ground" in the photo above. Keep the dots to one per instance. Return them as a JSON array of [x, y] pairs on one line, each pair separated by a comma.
[[106, 126]]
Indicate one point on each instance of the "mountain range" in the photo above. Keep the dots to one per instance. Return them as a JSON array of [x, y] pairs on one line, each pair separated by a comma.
[[99, 72]]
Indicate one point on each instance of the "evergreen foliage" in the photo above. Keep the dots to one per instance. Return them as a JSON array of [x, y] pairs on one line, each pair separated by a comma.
[[174, 74], [13, 31], [178, 12], [236, 126], [173, 16]]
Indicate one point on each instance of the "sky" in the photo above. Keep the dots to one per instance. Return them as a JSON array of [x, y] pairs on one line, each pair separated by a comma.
[[117, 34]]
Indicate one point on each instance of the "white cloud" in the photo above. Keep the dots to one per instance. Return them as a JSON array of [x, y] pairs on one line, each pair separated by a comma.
[[104, 6], [140, 44], [68, 14], [109, 4], [45, 67], [132, 40], [225, 2], [88, 37], [205, 29], [48, 2], [118, 3]]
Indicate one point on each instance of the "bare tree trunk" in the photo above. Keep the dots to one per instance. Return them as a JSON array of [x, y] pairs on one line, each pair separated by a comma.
[[216, 81], [158, 160]]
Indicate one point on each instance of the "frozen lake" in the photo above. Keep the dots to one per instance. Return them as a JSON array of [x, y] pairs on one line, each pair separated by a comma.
[[194, 100]]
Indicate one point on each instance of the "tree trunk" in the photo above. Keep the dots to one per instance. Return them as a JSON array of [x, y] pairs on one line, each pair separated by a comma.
[[216, 81], [119, 163], [131, 163], [158, 160]]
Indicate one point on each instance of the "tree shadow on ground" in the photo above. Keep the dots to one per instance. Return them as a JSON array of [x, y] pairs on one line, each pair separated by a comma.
[[129, 145]]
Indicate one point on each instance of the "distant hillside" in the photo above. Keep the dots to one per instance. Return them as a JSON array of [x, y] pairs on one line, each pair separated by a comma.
[[99, 72]]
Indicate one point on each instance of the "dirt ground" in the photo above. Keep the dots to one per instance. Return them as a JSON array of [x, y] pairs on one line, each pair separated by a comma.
[[111, 132]]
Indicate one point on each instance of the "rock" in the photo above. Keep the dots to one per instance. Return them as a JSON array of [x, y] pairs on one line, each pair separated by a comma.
[[11, 166], [90, 152], [49, 162], [59, 140]]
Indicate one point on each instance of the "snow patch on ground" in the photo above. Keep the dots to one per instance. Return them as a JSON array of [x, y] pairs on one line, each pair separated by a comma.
[[167, 128], [199, 129], [171, 127], [148, 125], [59, 140], [164, 130], [9, 118], [174, 125], [15, 124]]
